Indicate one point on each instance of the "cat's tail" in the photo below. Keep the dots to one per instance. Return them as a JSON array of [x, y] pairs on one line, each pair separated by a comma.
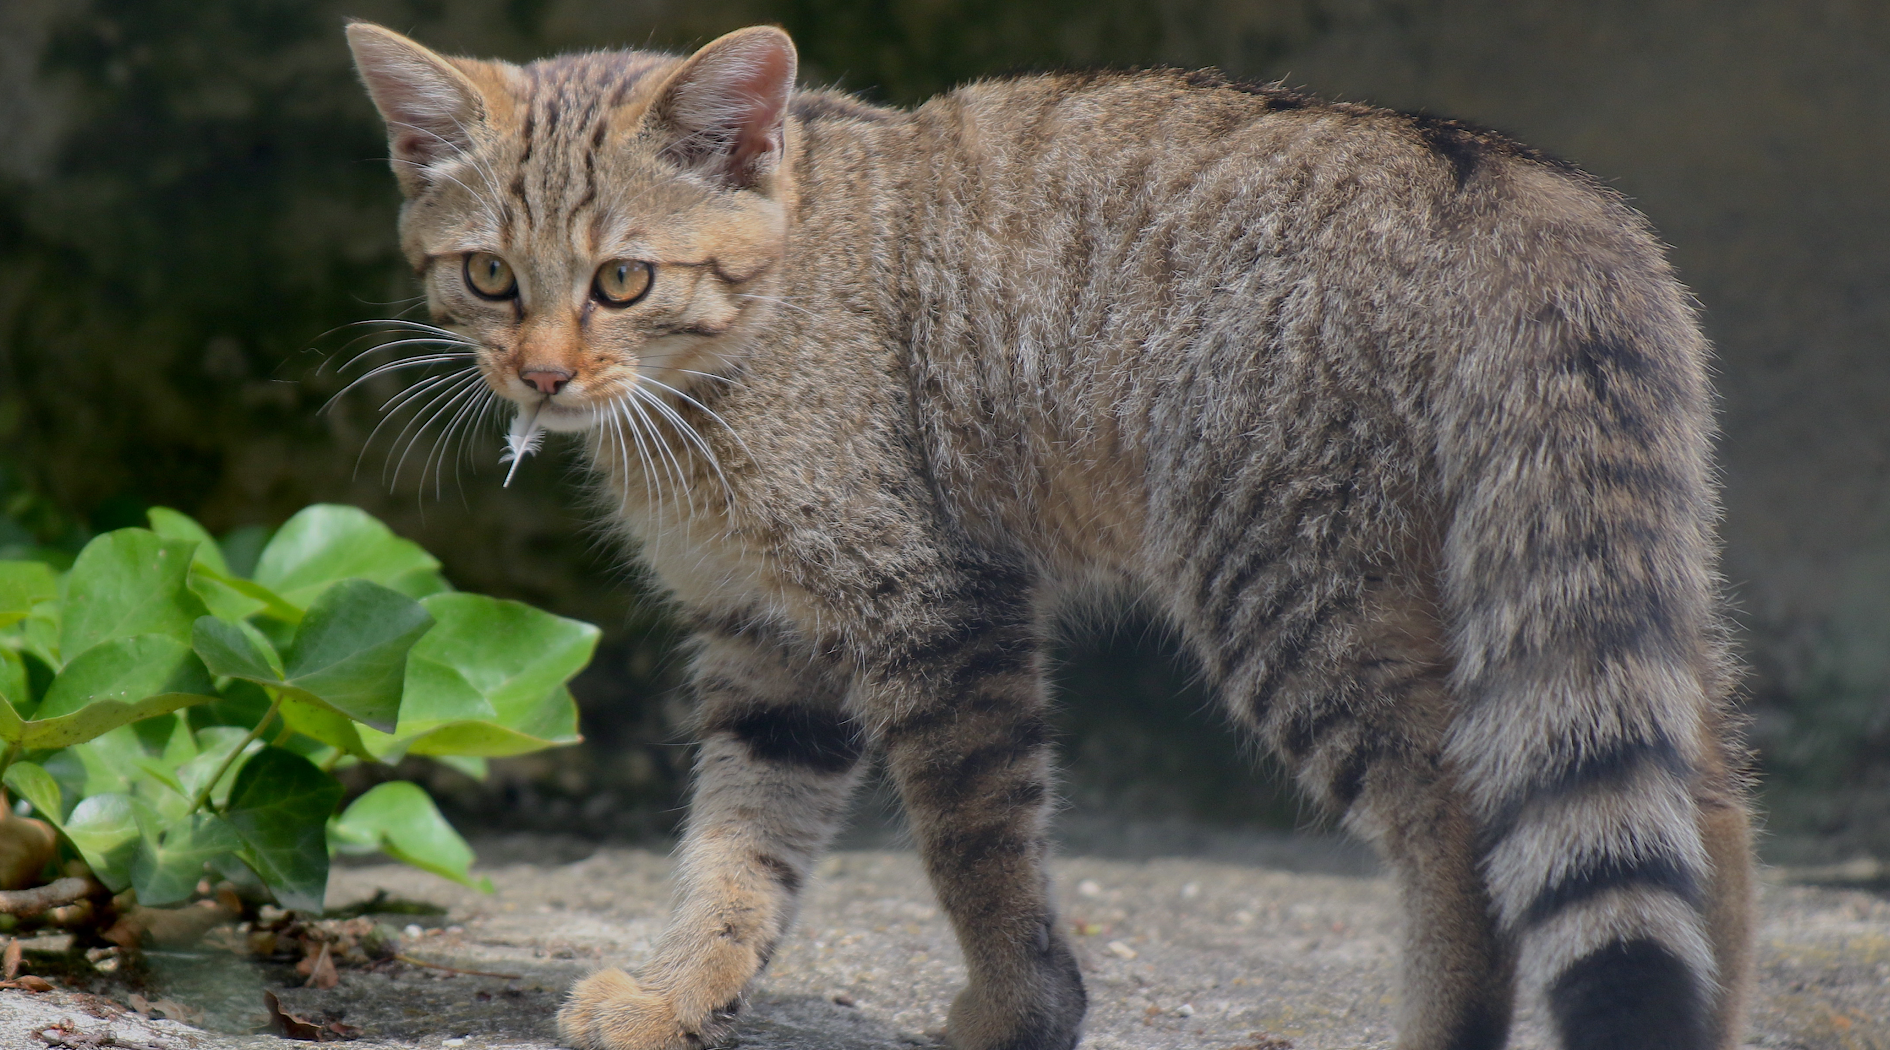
[[1578, 585]]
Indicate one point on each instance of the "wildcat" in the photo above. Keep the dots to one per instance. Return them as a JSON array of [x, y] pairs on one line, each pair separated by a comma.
[[1404, 425]]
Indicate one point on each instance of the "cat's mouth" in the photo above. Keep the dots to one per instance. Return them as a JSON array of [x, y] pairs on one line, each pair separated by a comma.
[[560, 417]]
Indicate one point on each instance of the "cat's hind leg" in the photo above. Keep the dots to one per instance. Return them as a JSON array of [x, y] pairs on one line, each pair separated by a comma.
[[1457, 982], [1337, 666], [1731, 905], [967, 744], [1368, 752], [779, 760]]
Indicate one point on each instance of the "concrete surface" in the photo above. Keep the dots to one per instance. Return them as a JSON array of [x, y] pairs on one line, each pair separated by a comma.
[[1176, 952]]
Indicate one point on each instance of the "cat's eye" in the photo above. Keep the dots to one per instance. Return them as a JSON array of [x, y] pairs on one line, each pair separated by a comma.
[[621, 282], [489, 276]]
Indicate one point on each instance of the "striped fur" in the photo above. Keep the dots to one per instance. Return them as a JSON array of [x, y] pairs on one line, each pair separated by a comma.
[[1405, 425]]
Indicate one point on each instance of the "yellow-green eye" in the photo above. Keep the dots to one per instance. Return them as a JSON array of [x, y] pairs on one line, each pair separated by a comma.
[[489, 276], [621, 282]]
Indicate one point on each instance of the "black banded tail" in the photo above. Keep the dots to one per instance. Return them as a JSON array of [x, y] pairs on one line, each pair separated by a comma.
[[1579, 591]]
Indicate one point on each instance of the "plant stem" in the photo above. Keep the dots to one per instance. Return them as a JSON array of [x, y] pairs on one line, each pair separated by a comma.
[[32, 901], [203, 794]]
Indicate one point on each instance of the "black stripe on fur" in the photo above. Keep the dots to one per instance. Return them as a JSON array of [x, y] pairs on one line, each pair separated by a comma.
[[1612, 766], [821, 740], [1607, 873], [1630, 996], [1484, 1027]]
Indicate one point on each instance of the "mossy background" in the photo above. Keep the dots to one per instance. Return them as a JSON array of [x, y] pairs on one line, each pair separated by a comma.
[[193, 198]]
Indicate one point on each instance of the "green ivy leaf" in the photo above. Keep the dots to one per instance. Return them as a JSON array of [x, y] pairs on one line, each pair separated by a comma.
[[510, 654], [327, 543], [223, 601], [166, 866], [488, 680], [399, 819], [32, 783], [280, 805], [239, 702], [109, 762], [16, 689], [39, 636], [24, 584], [349, 655], [176, 525], [12, 726], [126, 583], [230, 651], [322, 723], [552, 723], [238, 597], [105, 829], [351, 650], [110, 685], [126, 670], [471, 765]]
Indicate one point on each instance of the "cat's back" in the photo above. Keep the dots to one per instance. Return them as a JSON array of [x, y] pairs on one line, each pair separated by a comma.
[[1098, 264], [1049, 197], [1178, 137]]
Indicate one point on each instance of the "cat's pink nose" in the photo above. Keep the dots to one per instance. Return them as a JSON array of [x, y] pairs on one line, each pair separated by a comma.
[[546, 380]]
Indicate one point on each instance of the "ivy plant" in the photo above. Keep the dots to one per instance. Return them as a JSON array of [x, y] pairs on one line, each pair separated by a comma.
[[172, 712]]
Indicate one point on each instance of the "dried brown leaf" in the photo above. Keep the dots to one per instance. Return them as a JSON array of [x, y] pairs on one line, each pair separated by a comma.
[[289, 1026]]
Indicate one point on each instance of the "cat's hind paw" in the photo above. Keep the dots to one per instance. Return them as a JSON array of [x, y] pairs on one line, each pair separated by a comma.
[[610, 1011]]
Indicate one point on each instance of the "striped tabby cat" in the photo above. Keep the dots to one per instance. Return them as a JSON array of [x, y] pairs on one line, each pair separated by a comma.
[[1404, 425]]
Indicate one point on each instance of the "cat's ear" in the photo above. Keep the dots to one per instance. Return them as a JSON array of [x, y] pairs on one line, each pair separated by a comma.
[[430, 105], [726, 107]]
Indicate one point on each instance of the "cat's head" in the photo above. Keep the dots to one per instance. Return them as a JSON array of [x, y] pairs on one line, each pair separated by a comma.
[[595, 221]]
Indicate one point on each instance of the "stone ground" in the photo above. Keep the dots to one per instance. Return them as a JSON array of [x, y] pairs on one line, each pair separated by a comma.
[[1177, 953]]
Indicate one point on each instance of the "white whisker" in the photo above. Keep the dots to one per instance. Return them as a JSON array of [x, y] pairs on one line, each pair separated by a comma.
[[463, 390], [617, 423], [704, 409], [689, 436], [646, 465], [399, 400], [393, 366], [671, 464], [410, 394], [431, 385], [437, 457]]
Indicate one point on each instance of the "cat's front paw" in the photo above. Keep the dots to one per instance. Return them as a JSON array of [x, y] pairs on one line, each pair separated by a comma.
[[610, 1011]]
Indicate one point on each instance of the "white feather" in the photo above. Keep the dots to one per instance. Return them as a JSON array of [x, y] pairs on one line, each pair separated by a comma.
[[522, 440]]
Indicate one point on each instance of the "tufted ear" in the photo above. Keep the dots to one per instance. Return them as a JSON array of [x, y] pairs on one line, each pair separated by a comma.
[[431, 107], [727, 106]]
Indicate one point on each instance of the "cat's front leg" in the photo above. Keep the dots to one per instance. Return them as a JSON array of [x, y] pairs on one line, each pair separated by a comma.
[[777, 764], [963, 726]]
